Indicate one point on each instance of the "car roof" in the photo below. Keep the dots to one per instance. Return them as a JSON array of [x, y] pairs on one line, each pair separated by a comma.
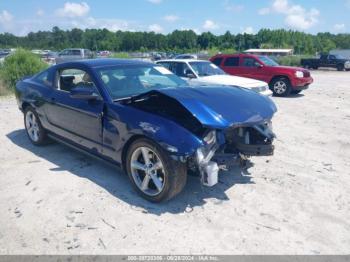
[[182, 60], [105, 62]]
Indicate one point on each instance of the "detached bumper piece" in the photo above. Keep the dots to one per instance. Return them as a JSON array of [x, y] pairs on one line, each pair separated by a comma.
[[251, 141]]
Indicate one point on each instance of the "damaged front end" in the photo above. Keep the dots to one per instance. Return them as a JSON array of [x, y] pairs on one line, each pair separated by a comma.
[[228, 125], [225, 148]]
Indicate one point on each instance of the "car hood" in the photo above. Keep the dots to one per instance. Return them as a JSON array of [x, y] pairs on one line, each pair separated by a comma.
[[232, 80], [222, 107], [291, 68]]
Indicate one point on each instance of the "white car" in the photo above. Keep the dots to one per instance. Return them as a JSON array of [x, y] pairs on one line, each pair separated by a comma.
[[201, 72]]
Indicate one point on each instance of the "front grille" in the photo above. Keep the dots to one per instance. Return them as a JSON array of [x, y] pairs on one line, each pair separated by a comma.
[[306, 74], [249, 141]]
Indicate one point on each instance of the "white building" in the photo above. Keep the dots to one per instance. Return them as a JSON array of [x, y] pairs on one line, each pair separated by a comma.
[[270, 52]]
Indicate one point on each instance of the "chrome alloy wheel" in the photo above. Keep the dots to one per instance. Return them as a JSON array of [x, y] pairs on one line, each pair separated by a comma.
[[32, 126], [280, 87], [147, 171]]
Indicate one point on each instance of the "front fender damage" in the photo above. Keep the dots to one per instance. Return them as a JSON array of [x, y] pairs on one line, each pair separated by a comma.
[[206, 149]]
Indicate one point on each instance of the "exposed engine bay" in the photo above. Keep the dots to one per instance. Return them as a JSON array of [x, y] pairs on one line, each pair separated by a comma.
[[223, 148]]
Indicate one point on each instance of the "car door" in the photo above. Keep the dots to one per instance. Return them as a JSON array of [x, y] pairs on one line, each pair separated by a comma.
[[79, 120], [231, 65], [332, 61], [251, 68]]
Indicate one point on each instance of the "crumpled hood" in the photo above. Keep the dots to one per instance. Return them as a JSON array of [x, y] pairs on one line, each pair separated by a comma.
[[232, 80], [221, 107]]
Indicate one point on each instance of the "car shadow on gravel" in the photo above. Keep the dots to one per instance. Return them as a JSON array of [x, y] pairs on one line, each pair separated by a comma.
[[290, 96], [117, 183]]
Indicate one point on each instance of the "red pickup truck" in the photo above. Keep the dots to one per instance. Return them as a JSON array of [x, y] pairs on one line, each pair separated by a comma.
[[282, 80]]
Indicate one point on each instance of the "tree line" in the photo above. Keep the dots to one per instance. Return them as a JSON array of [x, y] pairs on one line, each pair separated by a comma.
[[178, 40]]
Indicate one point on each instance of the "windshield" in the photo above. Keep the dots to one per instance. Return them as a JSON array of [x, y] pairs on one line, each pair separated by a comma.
[[268, 61], [206, 69], [128, 81], [339, 57]]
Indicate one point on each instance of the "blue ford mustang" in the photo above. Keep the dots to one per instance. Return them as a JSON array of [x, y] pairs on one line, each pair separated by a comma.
[[143, 118]]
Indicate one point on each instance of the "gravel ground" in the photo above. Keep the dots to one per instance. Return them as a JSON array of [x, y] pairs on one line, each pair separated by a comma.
[[54, 200]]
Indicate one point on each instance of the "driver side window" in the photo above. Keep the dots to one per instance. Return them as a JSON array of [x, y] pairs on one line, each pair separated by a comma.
[[250, 62], [70, 78], [182, 70]]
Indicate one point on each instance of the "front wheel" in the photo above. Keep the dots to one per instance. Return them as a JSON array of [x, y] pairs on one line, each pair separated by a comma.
[[340, 67], [35, 131], [153, 173], [280, 86]]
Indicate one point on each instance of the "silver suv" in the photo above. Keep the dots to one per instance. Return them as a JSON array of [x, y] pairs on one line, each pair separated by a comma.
[[73, 54]]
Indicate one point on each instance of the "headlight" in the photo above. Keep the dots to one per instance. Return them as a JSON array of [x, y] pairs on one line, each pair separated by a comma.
[[210, 138], [299, 74]]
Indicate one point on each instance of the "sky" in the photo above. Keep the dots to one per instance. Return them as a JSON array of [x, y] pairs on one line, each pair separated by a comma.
[[20, 17]]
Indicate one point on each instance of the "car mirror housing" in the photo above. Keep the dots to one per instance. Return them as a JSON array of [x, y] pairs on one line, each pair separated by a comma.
[[85, 93], [189, 74]]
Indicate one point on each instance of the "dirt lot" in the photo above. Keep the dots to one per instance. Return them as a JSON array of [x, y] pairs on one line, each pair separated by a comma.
[[54, 200]]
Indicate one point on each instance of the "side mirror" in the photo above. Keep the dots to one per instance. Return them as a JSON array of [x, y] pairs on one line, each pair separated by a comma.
[[85, 93], [189, 74]]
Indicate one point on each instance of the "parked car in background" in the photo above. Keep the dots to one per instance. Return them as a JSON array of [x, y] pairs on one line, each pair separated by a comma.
[[50, 57], [3, 54], [140, 116], [282, 80], [73, 54], [335, 61], [186, 56], [201, 72], [104, 53]]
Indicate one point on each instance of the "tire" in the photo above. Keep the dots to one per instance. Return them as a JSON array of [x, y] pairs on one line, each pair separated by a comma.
[[340, 67], [315, 67], [347, 70], [35, 131], [280, 86], [163, 180], [295, 92]]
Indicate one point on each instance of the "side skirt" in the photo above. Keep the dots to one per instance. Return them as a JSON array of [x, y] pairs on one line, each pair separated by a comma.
[[84, 151]]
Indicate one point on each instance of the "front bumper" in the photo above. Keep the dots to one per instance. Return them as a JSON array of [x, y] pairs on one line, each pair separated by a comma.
[[230, 146], [302, 83]]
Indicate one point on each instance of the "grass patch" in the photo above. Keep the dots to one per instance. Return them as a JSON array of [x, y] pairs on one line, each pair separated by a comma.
[[4, 91]]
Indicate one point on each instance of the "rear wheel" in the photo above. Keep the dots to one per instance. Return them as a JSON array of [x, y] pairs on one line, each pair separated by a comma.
[[280, 86], [153, 173], [35, 131]]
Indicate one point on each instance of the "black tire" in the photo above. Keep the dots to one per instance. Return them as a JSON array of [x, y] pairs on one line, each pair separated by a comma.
[[340, 67], [42, 138], [295, 92], [276, 86], [173, 178], [315, 67], [347, 70]]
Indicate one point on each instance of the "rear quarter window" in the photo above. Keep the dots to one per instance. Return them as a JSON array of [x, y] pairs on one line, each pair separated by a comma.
[[231, 61], [217, 61], [43, 78]]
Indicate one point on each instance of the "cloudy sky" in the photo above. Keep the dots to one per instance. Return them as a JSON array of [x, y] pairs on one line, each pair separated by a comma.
[[162, 16]]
